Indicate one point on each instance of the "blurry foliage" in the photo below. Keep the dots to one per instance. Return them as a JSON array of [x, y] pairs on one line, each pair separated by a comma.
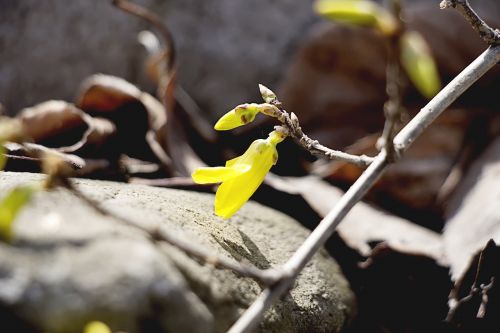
[[418, 62], [359, 12], [416, 57], [96, 327], [10, 206]]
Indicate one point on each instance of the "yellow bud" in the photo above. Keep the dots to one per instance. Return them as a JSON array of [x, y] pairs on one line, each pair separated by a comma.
[[239, 116], [359, 12], [267, 94], [418, 62]]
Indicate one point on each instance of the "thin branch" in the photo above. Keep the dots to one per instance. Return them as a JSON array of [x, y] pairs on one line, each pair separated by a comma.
[[166, 182], [266, 277], [291, 123], [156, 22], [393, 107], [487, 33], [445, 97], [251, 318]]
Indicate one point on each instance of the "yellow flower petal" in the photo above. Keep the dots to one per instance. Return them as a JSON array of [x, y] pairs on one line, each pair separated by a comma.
[[233, 161], [242, 175], [235, 192], [217, 174]]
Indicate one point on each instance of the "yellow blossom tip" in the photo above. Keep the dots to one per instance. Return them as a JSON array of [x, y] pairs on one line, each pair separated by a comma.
[[276, 137], [212, 175], [239, 116]]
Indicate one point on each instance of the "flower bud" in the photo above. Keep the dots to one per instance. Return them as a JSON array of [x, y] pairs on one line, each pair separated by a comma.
[[360, 12], [419, 64], [239, 116]]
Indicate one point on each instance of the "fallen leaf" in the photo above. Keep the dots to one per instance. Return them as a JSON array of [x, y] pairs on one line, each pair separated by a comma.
[[62, 126], [473, 214], [364, 225], [140, 119]]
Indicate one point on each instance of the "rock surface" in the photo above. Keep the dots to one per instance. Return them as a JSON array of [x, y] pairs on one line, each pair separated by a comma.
[[69, 265]]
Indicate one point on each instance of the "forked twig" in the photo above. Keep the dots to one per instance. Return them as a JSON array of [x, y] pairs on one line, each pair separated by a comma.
[[487, 33], [292, 126]]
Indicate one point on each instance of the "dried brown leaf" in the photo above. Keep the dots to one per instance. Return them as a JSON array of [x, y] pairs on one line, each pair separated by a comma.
[[364, 225], [62, 126], [473, 215], [139, 117]]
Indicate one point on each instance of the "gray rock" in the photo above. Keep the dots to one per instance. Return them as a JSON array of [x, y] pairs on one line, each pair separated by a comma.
[[226, 47], [73, 265]]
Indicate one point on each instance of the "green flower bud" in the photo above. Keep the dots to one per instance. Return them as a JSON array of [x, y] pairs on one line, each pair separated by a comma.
[[418, 62], [360, 12]]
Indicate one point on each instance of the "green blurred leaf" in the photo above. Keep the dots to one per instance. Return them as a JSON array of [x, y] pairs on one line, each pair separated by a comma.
[[418, 62], [359, 12], [10, 206], [96, 327], [3, 158]]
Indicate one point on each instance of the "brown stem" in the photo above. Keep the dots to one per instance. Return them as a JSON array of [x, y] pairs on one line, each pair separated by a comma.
[[487, 33], [156, 22], [393, 107]]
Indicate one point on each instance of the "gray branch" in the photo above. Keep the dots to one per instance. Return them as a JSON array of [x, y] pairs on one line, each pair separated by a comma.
[[251, 318], [291, 123], [488, 34], [445, 97]]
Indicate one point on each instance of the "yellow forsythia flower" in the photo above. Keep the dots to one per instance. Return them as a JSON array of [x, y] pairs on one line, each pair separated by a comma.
[[242, 175]]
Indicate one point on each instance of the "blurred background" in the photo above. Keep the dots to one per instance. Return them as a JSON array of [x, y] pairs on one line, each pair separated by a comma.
[[331, 75]]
